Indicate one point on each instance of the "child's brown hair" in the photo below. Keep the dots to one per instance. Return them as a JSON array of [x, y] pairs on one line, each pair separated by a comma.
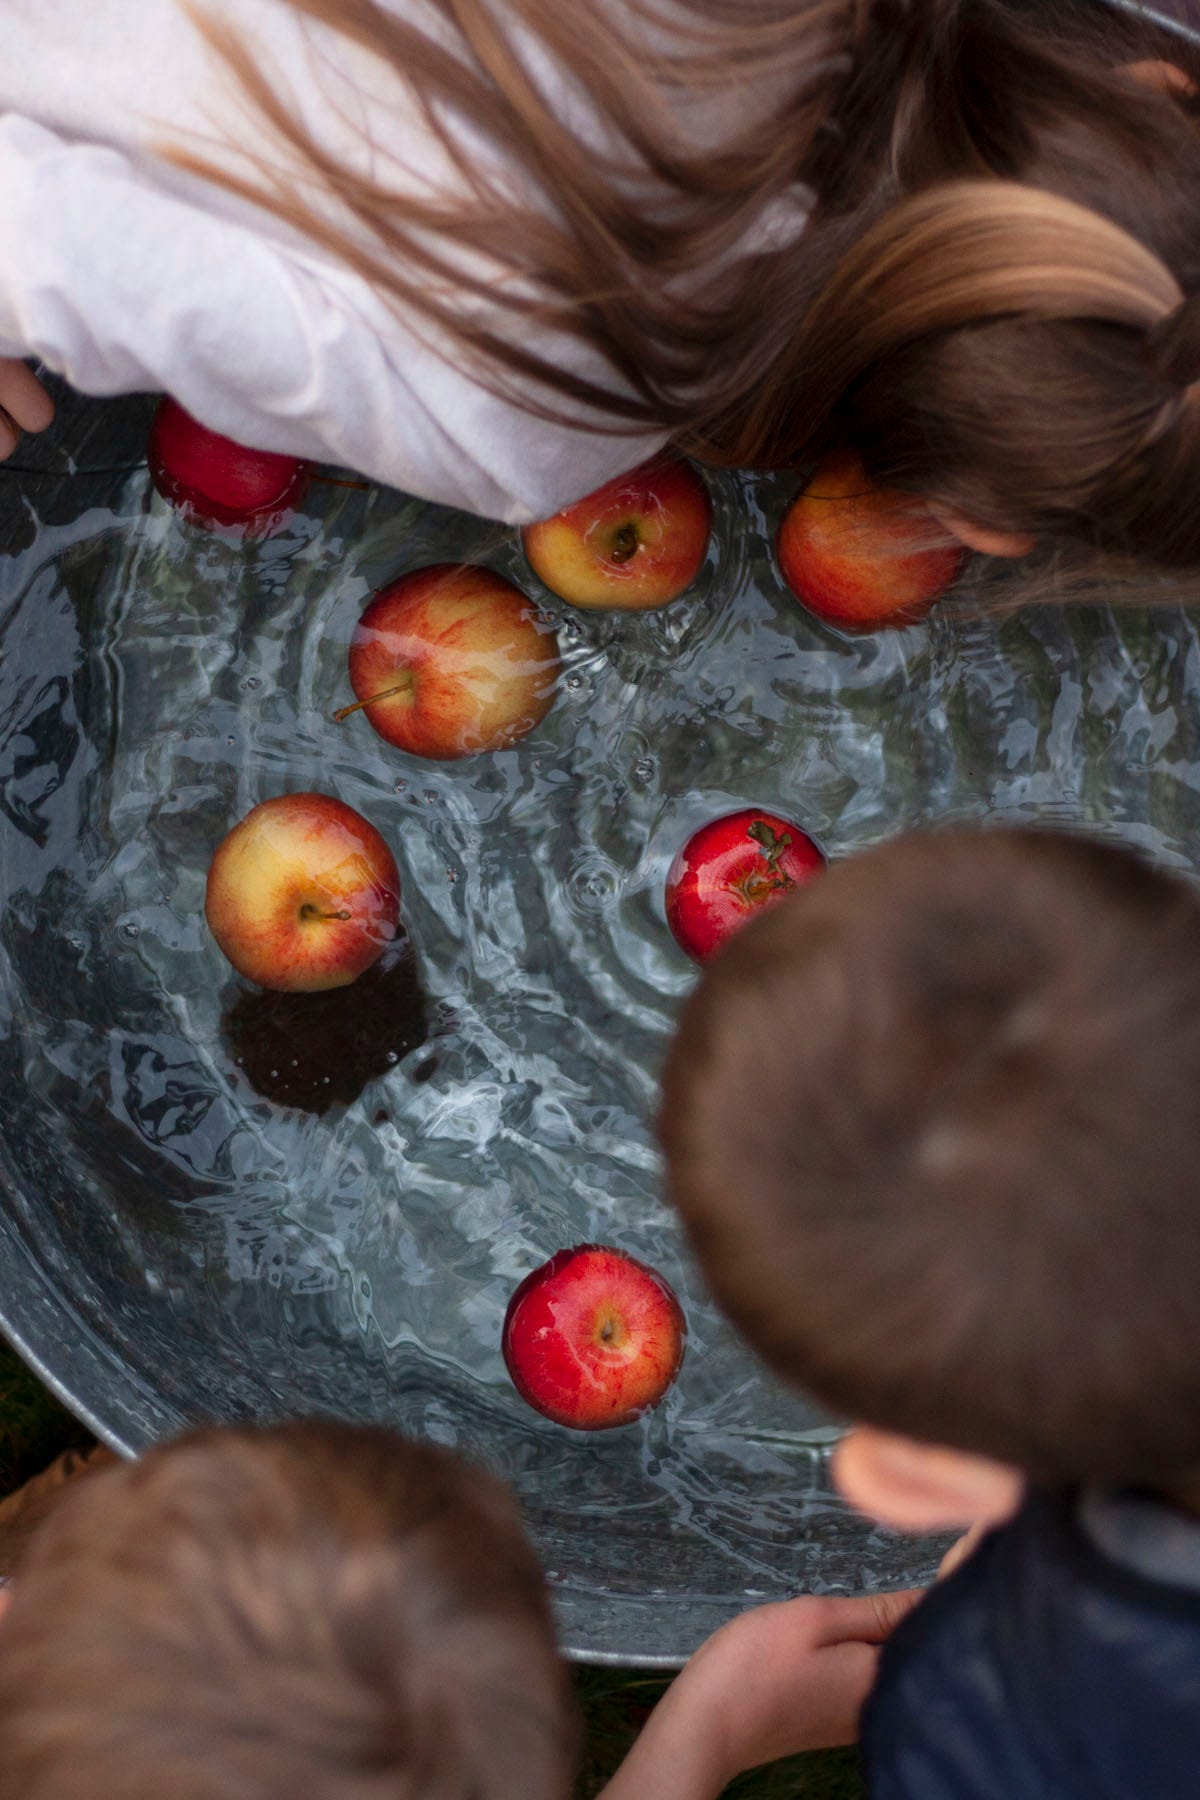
[[308, 1612], [933, 1125]]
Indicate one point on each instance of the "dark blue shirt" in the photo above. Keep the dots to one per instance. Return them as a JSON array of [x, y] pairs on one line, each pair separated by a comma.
[[1044, 1669]]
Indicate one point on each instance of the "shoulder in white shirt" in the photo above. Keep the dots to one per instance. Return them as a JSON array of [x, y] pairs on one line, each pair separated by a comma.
[[123, 273]]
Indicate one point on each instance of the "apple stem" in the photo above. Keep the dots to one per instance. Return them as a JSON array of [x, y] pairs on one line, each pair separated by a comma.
[[401, 687], [772, 843], [309, 911]]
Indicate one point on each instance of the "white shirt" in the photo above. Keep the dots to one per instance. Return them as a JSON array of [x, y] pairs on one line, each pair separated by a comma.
[[123, 273]]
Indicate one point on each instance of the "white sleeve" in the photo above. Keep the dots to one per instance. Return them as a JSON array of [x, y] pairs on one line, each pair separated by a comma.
[[122, 286]]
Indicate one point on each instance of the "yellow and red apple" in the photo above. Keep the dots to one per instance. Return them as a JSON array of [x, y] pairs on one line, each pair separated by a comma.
[[863, 557], [303, 894], [212, 480], [593, 1338], [451, 660], [635, 543]]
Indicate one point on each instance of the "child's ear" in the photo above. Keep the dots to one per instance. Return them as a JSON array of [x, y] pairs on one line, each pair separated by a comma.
[[922, 1487], [981, 537], [1161, 77]]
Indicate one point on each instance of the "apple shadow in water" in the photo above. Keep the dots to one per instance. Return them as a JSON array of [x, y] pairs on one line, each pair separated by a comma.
[[314, 1051]]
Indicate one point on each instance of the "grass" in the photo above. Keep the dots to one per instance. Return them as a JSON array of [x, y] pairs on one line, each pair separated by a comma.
[[616, 1701], [34, 1428]]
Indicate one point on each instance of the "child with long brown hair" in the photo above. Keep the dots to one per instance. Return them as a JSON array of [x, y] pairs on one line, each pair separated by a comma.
[[494, 251]]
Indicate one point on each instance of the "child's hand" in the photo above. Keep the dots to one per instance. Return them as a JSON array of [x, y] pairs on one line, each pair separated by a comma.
[[777, 1680], [24, 404]]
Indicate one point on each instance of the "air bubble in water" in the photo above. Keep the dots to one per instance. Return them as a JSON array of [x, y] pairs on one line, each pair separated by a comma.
[[130, 930], [593, 883], [250, 683]]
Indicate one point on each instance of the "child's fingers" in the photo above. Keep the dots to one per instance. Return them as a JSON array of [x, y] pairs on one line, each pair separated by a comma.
[[865, 1618], [8, 435], [23, 398]]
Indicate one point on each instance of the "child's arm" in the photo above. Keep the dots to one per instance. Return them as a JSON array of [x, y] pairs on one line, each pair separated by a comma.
[[777, 1680], [124, 285], [24, 404]]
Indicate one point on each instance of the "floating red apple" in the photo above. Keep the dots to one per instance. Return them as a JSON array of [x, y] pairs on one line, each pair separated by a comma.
[[303, 895], [633, 544], [451, 660], [593, 1338], [729, 870], [859, 556], [214, 481]]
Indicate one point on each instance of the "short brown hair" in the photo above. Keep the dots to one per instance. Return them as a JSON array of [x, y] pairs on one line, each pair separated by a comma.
[[303, 1612], [933, 1125]]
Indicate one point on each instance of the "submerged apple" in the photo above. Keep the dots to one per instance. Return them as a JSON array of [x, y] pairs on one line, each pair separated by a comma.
[[729, 870], [593, 1338], [451, 660], [863, 557], [303, 895], [633, 544], [214, 481]]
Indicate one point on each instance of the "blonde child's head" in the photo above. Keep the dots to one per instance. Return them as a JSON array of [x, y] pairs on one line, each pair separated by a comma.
[[315, 1610]]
